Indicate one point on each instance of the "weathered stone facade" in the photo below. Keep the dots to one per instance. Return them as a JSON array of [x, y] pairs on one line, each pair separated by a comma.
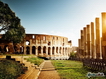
[[50, 46]]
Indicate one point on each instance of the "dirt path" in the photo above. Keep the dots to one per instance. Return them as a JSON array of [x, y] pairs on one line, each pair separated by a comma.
[[48, 71]]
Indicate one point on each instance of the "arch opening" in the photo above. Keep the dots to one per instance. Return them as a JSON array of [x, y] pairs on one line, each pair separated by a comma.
[[48, 50], [33, 50], [27, 50], [53, 50], [39, 50]]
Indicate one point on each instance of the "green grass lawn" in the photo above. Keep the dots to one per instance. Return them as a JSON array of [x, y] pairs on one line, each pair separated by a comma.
[[35, 60], [68, 69]]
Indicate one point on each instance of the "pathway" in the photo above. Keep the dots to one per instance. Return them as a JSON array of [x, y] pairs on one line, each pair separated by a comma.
[[48, 71]]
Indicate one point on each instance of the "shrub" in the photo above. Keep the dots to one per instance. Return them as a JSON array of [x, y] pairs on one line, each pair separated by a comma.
[[10, 69], [72, 54]]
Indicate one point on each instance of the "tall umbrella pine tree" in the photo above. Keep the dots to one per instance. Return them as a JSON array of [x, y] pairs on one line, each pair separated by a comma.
[[11, 25]]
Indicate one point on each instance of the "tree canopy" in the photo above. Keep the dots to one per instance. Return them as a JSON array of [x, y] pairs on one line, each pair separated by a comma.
[[11, 24]]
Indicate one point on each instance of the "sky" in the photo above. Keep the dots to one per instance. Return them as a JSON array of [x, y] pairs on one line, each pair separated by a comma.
[[57, 17]]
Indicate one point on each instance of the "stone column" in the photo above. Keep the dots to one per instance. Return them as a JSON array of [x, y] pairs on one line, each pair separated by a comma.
[[30, 46], [36, 42], [93, 50], [61, 50], [79, 45], [41, 50], [104, 35], [36, 50], [30, 50], [82, 43], [54, 50], [51, 51], [88, 42], [97, 25], [46, 50], [41, 42], [25, 48], [65, 51], [85, 41], [58, 50]]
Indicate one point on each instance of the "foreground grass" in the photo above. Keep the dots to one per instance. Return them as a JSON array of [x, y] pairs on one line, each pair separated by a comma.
[[10, 69], [72, 70], [35, 60]]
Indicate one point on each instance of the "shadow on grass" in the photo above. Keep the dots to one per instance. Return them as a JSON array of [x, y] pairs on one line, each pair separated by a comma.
[[43, 58]]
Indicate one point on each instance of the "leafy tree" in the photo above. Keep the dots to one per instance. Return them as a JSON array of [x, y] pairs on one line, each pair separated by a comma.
[[72, 54], [10, 23]]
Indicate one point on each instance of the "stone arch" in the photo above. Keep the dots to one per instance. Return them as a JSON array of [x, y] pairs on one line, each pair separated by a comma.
[[66, 50], [33, 50], [56, 49], [44, 49], [27, 50], [0, 49], [63, 50], [53, 50], [60, 50], [6, 48], [49, 50], [39, 49], [15, 48]]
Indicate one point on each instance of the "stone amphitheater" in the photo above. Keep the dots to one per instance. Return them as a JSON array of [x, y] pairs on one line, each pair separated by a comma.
[[49, 46]]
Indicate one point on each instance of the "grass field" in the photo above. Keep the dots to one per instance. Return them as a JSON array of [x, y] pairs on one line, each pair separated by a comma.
[[68, 69], [35, 60]]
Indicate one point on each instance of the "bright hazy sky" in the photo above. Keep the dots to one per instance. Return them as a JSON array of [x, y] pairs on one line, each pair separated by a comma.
[[57, 17]]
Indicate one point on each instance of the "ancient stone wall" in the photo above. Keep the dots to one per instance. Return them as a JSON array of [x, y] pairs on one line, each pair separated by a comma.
[[50, 46], [54, 47]]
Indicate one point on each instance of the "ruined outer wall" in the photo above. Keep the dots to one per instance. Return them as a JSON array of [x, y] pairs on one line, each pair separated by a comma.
[[51, 46]]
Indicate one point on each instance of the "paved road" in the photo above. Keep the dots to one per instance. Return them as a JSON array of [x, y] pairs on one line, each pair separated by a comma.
[[48, 71]]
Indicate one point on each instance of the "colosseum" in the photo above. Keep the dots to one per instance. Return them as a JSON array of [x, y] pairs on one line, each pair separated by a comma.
[[49, 46]]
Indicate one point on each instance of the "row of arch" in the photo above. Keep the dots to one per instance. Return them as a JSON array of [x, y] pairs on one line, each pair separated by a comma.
[[38, 50], [49, 50], [7, 49], [4, 49]]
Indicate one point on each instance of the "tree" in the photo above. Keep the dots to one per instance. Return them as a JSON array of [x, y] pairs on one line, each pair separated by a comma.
[[10, 23]]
